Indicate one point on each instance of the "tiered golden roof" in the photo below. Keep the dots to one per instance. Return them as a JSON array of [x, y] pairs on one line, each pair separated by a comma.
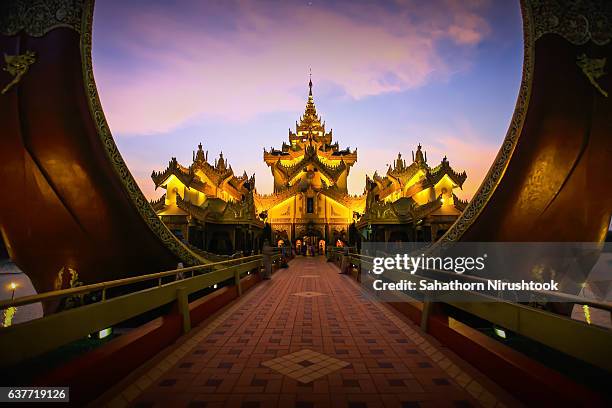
[[413, 191], [205, 191], [310, 146]]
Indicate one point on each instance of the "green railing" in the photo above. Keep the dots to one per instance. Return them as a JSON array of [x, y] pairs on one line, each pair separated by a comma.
[[33, 338], [574, 338]]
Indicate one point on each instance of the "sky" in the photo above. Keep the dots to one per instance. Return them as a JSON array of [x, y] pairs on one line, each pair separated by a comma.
[[233, 75]]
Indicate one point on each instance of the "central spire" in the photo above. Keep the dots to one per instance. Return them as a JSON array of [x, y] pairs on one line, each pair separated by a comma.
[[310, 114], [310, 120]]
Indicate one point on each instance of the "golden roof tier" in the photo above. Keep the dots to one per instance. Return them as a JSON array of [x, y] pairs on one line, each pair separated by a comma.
[[310, 159], [428, 190], [216, 179], [205, 191]]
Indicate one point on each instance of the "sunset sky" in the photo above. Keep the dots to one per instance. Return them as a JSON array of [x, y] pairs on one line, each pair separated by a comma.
[[233, 75]]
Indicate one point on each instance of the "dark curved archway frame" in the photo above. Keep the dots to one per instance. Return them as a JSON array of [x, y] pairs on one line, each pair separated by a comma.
[[70, 201]]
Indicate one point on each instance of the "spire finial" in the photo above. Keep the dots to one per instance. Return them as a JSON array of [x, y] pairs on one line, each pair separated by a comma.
[[310, 81]]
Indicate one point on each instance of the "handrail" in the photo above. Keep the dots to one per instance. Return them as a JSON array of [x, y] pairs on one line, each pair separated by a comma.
[[94, 287], [22, 341], [550, 329]]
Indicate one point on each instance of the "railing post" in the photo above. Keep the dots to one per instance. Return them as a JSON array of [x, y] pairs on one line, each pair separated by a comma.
[[183, 308], [267, 261], [237, 281], [345, 262]]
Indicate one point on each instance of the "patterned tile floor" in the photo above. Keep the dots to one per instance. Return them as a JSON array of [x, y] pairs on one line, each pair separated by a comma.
[[309, 338]]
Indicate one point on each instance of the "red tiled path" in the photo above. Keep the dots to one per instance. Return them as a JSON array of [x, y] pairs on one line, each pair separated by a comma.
[[309, 306]]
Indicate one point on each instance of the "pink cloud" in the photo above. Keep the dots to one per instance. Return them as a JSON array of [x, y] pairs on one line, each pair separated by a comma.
[[174, 72], [473, 158]]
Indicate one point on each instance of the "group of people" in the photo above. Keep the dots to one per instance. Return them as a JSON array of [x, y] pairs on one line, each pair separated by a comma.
[[288, 251], [306, 247]]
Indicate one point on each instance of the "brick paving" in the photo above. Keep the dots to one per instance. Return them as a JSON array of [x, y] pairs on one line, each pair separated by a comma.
[[309, 338]]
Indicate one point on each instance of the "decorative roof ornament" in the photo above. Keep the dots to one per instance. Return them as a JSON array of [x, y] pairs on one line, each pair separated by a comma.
[[199, 156], [310, 120], [220, 163], [400, 164], [418, 157], [310, 82]]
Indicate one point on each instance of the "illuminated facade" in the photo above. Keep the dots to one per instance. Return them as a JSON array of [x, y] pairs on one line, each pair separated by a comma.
[[311, 198], [207, 206], [310, 173], [211, 208], [416, 196]]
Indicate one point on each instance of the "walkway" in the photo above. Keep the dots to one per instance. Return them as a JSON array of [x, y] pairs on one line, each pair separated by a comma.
[[309, 338]]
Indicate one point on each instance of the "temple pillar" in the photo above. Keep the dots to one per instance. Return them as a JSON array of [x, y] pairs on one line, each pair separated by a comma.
[[434, 231]]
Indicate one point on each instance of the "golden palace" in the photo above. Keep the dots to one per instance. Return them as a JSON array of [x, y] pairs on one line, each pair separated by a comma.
[[209, 207]]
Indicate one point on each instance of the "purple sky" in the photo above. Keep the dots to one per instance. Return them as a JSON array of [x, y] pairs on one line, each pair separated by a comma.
[[233, 75]]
